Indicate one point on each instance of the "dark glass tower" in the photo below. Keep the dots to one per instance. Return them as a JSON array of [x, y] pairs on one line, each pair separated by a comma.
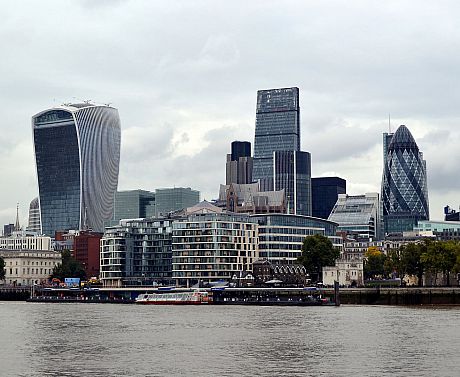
[[324, 193], [77, 154], [292, 172], [277, 129], [404, 184], [239, 163]]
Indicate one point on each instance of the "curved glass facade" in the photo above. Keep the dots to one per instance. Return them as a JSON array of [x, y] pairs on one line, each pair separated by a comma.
[[77, 152], [404, 184]]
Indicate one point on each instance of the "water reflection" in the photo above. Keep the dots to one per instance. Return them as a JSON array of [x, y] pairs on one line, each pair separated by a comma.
[[125, 340]]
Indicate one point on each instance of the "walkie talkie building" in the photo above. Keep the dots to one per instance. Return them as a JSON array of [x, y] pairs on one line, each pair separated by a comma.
[[77, 154], [404, 184]]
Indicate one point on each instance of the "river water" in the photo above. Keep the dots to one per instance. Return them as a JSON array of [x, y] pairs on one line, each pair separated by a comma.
[[127, 340]]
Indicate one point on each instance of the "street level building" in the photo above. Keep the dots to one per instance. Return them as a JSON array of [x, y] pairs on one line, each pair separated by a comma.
[[210, 245], [77, 154], [281, 236], [29, 267], [404, 183], [25, 240], [137, 252], [357, 214], [173, 199], [277, 129], [324, 194]]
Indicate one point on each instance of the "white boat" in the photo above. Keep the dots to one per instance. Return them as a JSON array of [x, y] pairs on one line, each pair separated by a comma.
[[173, 298]]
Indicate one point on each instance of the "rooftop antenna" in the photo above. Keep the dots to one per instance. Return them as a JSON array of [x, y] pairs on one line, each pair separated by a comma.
[[389, 123]]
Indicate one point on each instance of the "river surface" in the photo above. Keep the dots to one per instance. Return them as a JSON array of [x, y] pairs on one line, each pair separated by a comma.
[[127, 340]]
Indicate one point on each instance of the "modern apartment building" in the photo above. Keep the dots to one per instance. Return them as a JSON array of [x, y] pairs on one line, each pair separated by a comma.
[[210, 245]]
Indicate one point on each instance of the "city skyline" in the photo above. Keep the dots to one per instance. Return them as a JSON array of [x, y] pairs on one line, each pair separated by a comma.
[[184, 96]]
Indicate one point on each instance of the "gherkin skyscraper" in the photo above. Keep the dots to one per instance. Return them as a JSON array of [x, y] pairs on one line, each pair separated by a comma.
[[404, 183]]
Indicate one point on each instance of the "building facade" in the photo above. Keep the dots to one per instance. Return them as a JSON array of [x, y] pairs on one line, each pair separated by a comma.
[[239, 163], [137, 252], [173, 199], [324, 194], [29, 267], [132, 204], [281, 236], [34, 216], [25, 240], [86, 250], [246, 198], [358, 215], [277, 129], [404, 184], [210, 245], [77, 154], [292, 173]]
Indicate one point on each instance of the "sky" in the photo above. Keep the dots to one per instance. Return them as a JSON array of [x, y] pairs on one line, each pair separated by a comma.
[[184, 76]]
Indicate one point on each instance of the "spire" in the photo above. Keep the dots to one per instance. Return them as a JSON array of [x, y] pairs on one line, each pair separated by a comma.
[[17, 227]]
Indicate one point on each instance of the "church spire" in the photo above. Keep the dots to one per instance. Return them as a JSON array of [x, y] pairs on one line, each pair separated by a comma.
[[17, 227]]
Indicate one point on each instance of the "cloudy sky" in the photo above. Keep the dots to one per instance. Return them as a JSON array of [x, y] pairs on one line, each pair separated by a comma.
[[184, 76]]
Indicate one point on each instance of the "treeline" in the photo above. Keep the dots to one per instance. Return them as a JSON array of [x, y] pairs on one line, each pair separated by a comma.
[[427, 257]]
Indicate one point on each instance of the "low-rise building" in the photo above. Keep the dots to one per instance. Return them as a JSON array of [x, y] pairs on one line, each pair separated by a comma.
[[28, 267], [25, 240]]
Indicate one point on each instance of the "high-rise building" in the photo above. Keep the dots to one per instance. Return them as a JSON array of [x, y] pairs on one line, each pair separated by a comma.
[[239, 163], [34, 216], [292, 172], [277, 129], [8, 230], [132, 204], [357, 215], [174, 199], [404, 184], [77, 154], [324, 194]]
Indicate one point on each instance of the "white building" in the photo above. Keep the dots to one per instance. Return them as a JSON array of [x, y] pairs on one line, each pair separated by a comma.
[[347, 272], [28, 267], [26, 240], [209, 245]]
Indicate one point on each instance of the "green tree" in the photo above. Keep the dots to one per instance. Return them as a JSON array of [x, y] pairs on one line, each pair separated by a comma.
[[2, 268], [69, 268], [392, 264], [317, 252], [411, 261], [374, 263]]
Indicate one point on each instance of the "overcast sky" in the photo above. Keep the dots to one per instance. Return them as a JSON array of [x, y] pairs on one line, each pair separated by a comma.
[[184, 77]]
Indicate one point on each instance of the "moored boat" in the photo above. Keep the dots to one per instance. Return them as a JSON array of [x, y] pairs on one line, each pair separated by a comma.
[[174, 298]]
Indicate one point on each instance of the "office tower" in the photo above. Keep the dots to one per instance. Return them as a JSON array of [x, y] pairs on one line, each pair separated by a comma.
[[132, 204], [357, 215], [404, 184], [277, 129], [292, 172], [8, 229], [77, 154], [173, 199], [34, 216], [324, 194], [239, 163]]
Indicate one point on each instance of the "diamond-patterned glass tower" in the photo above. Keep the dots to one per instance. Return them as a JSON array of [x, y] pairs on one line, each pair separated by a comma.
[[404, 184]]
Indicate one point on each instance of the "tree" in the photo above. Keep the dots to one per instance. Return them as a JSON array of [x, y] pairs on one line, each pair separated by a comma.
[[411, 262], [374, 263], [392, 264], [317, 252], [2, 268], [69, 268]]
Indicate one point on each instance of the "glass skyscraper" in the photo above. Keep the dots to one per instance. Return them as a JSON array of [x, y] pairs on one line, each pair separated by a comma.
[[404, 184], [292, 172], [77, 154], [277, 129], [173, 199], [324, 194]]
